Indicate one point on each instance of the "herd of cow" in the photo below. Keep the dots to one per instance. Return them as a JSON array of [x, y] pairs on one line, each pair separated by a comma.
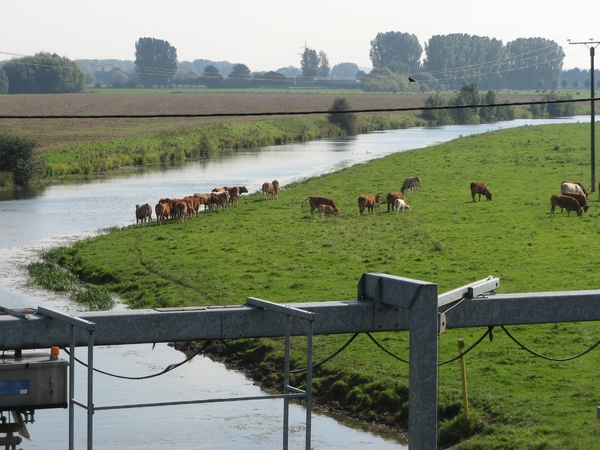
[[573, 198], [189, 206]]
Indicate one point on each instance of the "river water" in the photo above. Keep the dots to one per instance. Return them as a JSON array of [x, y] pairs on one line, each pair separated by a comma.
[[39, 218]]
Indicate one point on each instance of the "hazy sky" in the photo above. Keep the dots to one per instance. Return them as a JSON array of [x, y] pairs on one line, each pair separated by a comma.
[[268, 34]]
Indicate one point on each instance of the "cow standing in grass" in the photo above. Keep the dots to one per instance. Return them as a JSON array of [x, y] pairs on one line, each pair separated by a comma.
[[480, 188], [413, 183], [143, 214], [368, 202], [317, 200], [391, 198]]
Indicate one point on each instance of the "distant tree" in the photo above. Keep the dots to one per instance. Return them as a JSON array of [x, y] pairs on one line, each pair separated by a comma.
[[395, 46], [324, 67], [460, 58], [344, 70], [240, 71], [360, 74], [211, 77], [531, 60], [346, 121], [380, 80], [587, 83], [564, 83], [309, 63], [90, 79], [43, 73], [185, 66], [118, 79], [155, 61], [576, 84], [3, 82], [559, 109], [433, 115], [468, 95], [488, 114], [270, 79], [18, 156], [290, 71]]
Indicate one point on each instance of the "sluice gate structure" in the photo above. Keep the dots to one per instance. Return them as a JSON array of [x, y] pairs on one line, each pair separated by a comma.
[[384, 303]]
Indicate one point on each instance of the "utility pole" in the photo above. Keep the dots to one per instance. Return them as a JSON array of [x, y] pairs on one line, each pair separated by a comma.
[[592, 46]]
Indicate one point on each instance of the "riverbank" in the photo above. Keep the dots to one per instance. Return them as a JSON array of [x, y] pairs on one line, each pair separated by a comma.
[[276, 251]]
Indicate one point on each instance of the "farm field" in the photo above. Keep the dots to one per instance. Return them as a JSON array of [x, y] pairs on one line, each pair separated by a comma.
[[55, 133], [283, 255]]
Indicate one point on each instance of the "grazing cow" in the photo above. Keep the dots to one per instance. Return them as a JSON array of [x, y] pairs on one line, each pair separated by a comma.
[[367, 201], [163, 211], [566, 202], [391, 197], [413, 183], [581, 199], [481, 189], [276, 189], [572, 186], [267, 189], [328, 210], [316, 200], [143, 213], [400, 205]]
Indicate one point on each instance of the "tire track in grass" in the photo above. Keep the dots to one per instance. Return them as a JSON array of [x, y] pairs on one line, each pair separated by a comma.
[[177, 283]]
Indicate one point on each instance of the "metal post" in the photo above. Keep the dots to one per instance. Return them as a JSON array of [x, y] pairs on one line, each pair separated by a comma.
[[423, 372], [72, 390], [90, 401], [286, 382], [309, 373], [463, 371], [592, 45]]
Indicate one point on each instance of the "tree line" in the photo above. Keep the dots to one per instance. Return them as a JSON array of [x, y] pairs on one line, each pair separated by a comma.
[[445, 62]]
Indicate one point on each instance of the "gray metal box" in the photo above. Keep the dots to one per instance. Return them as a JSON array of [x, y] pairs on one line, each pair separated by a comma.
[[32, 381]]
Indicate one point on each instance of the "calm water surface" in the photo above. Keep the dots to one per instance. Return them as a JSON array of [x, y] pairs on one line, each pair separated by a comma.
[[41, 218]]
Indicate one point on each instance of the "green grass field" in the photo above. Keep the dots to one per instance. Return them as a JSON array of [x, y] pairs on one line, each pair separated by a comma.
[[274, 250]]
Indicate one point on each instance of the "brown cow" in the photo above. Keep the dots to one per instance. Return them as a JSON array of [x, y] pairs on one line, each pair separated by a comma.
[[566, 202], [268, 189], [367, 201], [328, 210], [316, 200], [180, 208], [276, 189], [163, 210], [481, 189], [391, 198], [220, 199], [143, 213], [581, 199], [205, 199], [234, 193], [193, 204]]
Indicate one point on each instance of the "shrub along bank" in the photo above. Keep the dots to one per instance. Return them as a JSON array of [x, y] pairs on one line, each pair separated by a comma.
[[176, 147], [276, 251]]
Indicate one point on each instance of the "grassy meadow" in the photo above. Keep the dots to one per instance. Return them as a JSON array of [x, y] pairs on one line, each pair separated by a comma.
[[274, 250]]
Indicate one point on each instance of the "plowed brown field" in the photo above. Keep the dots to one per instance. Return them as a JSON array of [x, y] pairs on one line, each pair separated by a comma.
[[52, 133]]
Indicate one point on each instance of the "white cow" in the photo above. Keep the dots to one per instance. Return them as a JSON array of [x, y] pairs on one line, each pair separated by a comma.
[[400, 205], [569, 186], [411, 183]]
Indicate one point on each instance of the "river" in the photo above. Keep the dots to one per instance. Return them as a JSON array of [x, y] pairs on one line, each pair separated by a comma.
[[39, 218]]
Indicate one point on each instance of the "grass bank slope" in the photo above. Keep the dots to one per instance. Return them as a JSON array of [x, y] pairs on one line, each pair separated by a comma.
[[276, 251]]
